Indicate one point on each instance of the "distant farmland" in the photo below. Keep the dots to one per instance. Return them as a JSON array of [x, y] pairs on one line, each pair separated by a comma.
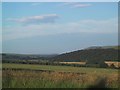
[[109, 63], [81, 63]]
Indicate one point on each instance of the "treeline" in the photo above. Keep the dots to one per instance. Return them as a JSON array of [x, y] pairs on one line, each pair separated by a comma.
[[102, 65]]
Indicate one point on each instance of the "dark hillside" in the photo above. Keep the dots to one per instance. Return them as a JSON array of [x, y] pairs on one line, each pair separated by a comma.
[[89, 55]]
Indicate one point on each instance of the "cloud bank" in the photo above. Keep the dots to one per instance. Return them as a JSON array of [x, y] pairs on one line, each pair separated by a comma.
[[81, 26], [81, 5], [76, 4], [50, 18]]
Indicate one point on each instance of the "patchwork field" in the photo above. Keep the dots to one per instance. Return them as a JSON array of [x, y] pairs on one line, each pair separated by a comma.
[[47, 76], [109, 63]]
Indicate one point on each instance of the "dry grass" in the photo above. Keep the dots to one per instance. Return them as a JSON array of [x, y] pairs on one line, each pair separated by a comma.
[[61, 77], [109, 63], [116, 64], [55, 79]]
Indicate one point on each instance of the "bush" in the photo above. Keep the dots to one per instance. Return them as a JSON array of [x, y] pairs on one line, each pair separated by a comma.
[[103, 65]]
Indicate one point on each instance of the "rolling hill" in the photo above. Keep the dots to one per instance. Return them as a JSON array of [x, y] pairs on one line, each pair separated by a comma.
[[90, 55]]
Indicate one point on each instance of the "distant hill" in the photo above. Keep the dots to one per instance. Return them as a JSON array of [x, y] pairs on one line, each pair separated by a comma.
[[12, 56], [90, 55]]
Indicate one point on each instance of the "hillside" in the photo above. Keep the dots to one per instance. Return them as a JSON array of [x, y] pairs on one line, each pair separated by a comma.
[[90, 55]]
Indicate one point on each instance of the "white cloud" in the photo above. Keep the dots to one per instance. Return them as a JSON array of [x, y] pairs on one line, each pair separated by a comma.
[[81, 5], [76, 4], [83, 26], [50, 18]]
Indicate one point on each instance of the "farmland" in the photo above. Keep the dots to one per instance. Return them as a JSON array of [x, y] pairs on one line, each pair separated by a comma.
[[81, 63], [110, 64], [116, 64], [48, 76]]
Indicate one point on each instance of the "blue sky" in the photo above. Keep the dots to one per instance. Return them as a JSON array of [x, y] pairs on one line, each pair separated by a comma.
[[57, 27], [0, 28]]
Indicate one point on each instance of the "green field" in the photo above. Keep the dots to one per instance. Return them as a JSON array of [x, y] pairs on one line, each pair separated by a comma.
[[33, 79], [60, 68]]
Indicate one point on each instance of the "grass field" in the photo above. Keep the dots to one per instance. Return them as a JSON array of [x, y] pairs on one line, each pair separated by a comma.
[[60, 68], [78, 77]]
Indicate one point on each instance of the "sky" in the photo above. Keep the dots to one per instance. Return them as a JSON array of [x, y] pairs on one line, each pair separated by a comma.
[[0, 28], [60, 0], [58, 27]]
